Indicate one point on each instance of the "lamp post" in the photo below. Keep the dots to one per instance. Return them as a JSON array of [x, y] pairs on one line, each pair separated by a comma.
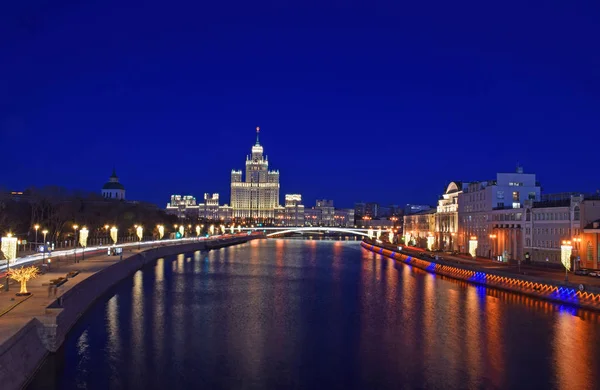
[[9, 248], [83, 236], [161, 231], [36, 227], [106, 228], [44, 232], [565, 257], [139, 230], [577, 241], [75, 227], [493, 237]]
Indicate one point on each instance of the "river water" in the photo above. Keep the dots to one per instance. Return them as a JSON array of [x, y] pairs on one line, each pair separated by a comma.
[[305, 314]]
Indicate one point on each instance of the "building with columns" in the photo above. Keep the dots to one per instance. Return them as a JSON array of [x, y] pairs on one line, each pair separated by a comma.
[[446, 217], [419, 228], [257, 195]]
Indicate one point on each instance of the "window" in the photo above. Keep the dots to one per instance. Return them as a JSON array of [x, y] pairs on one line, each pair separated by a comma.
[[590, 251], [528, 215], [576, 213], [500, 195], [500, 205], [531, 196], [515, 196]]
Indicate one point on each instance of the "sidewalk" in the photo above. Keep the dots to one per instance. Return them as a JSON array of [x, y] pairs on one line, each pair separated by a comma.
[[484, 263], [42, 294]]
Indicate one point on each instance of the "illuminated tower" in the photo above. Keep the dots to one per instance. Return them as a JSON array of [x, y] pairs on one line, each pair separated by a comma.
[[258, 195]]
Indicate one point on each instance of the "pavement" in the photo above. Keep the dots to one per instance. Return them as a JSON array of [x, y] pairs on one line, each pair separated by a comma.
[[552, 274], [16, 311]]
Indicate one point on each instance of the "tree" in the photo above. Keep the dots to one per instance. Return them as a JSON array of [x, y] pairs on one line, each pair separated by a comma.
[[23, 275]]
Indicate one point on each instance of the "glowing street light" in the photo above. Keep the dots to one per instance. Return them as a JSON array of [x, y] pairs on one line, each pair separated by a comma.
[[212, 229], [83, 237], [182, 230], [113, 234], [197, 230], [391, 237], [75, 227], [473, 246], [44, 232], [239, 228], [8, 246], [161, 231], [36, 227], [565, 257], [139, 230]]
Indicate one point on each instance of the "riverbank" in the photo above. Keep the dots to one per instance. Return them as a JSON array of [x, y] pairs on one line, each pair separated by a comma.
[[577, 295], [39, 325]]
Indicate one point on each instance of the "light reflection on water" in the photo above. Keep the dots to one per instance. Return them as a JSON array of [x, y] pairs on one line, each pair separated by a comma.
[[319, 314]]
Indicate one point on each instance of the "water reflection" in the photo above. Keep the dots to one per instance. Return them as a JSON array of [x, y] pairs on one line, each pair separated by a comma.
[[322, 314]]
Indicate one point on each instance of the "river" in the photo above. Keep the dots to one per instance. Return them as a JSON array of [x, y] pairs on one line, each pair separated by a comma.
[[306, 314]]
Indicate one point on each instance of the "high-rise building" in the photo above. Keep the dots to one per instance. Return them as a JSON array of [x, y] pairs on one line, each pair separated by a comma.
[[183, 206], [294, 210], [258, 196], [327, 211]]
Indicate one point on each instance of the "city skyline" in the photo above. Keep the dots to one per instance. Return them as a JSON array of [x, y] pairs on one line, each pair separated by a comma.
[[340, 94]]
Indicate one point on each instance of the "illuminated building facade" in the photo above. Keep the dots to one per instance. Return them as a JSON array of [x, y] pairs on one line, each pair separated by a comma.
[[419, 228], [258, 196], [491, 215], [446, 218]]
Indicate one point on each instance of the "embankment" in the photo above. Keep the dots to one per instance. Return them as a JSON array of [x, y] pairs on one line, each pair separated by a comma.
[[23, 353], [565, 293]]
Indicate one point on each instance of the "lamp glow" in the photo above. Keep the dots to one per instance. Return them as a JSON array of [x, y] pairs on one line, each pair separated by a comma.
[[391, 237], [212, 229], [565, 254], [182, 230], [139, 232], [113, 234], [161, 232], [370, 233], [83, 237], [9, 247], [198, 230], [473, 246]]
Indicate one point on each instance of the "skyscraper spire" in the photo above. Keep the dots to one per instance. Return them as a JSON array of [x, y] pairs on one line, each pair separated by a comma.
[[257, 132]]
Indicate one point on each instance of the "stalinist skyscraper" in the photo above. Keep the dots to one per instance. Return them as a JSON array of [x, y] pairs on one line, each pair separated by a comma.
[[257, 196]]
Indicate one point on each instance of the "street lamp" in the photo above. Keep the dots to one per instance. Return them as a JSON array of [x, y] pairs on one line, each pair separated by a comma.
[[75, 227], [44, 232], [493, 237], [36, 227], [83, 236], [577, 241], [113, 234], [161, 231], [106, 227], [565, 257], [9, 248], [473, 246], [140, 233]]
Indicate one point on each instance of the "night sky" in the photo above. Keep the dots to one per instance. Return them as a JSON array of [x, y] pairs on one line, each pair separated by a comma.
[[374, 101]]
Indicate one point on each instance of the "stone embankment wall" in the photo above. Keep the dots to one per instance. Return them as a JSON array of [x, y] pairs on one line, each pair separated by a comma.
[[535, 287], [23, 353]]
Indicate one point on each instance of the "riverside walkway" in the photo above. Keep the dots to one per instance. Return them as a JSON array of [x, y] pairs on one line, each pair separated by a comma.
[[16, 311], [550, 274]]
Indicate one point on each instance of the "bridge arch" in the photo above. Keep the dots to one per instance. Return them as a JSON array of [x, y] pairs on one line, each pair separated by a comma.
[[317, 229]]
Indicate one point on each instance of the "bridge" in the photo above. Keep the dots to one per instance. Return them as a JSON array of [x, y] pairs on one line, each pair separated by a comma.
[[274, 231]]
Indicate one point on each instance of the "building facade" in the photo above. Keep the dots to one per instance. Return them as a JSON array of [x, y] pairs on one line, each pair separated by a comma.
[[491, 215], [183, 206], [293, 212], [257, 195], [112, 189], [419, 228], [446, 218], [565, 218]]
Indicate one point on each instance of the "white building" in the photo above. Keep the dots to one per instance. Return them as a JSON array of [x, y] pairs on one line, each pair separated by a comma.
[[112, 189], [446, 217], [490, 215], [258, 196], [183, 206], [294, 210]]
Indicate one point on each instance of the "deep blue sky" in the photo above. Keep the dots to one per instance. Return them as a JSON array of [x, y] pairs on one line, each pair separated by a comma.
[[383, 101]]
